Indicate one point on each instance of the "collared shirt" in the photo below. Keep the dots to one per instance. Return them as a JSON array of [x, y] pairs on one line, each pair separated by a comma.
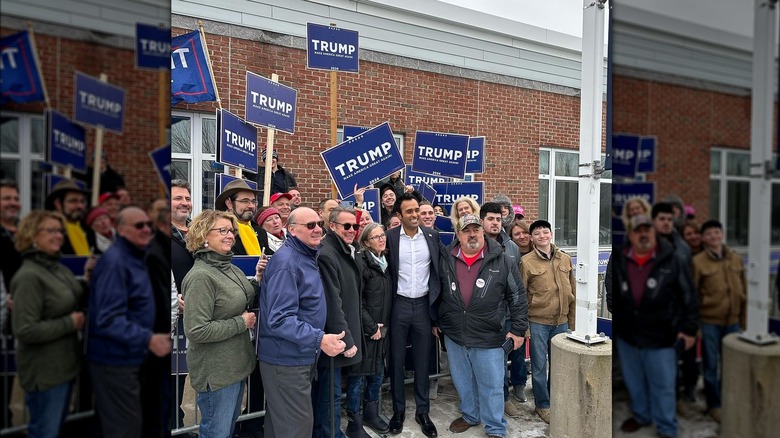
[[414, 263]]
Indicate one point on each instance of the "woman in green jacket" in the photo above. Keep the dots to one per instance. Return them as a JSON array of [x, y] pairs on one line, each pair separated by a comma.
[[217, 295], [46, 321]]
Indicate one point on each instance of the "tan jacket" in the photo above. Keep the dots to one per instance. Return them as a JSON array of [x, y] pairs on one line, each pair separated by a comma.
[[722, 287], [551, 287]]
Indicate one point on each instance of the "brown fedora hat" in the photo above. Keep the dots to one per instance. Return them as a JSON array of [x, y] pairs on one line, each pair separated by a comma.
[[63, 186], [238, 185]]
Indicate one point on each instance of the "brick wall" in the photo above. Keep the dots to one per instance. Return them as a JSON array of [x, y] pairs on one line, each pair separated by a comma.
[[127, 153], [516, 121], [687, 123]]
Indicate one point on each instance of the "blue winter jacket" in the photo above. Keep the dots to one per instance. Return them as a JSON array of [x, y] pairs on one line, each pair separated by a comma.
[[292, 307], [121, 307]]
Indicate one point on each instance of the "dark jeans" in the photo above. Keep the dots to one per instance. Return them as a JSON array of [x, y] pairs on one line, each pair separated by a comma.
[[117, 400], [356, 385], [517, 374], [321, 396]]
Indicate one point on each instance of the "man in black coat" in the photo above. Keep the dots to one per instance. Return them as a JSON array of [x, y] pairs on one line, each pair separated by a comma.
[[341, 280], [414, 267]]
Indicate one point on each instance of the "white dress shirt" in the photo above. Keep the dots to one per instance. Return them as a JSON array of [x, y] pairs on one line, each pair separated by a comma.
[[414, 263]]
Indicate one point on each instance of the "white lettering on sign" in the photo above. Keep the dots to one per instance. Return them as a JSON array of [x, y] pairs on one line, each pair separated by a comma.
[[271, 102], [443, 154], [8, 52], [415, 179], [621, 198], [446, 198], [69, 142], [240, 141], [473, 153], [156, 47], [623, 154], [334, 47], [182, 58], [368, 205], [645, 154], [365, 158], [97, 103]]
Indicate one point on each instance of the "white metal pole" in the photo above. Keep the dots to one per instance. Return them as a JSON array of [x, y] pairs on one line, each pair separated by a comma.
[[762, 118], [591, 101]]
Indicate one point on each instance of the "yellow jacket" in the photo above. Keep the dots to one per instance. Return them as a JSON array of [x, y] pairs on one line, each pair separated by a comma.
[[722, 287], [551, 287]]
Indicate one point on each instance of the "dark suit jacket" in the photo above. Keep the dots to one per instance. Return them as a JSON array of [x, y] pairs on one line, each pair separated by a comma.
[[435, 247]]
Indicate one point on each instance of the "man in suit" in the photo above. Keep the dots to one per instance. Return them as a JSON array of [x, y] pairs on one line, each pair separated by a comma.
[[414, 267]]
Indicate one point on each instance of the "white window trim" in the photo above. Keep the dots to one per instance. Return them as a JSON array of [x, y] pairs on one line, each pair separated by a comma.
[[196, 155], [25, 157]]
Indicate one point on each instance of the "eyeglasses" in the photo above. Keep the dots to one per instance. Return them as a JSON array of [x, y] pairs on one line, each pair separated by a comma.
[[223, 231], [141, 225], [53, 230], [378, 237], [311, 225], [247, 201], [347, 227]]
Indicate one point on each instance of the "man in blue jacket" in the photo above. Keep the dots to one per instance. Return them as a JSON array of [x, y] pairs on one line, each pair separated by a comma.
[[291, 326], [119, 334]]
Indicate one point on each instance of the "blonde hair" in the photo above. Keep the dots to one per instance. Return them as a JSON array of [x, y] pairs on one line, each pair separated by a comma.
[[455, 217], [642, 201], [30, 225], [202, 224]]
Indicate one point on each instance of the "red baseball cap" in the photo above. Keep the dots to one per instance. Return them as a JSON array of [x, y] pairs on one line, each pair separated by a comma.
[[106, 196], [275, 197]]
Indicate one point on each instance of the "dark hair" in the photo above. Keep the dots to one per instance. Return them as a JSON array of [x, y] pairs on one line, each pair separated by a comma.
[[444, 210], [406, 196], [661, 207], [489, 207], [541, 223], [9, 183], [712, 223], [182, 183]]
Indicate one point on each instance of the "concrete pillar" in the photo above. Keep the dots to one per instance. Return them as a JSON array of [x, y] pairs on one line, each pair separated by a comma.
[[750, 389], [580, 389]]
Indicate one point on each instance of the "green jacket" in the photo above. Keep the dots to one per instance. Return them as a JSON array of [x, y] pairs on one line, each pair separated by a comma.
[[48, 349], [216, 294]]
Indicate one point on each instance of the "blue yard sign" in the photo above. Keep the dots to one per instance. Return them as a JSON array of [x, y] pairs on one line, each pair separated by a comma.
[[66, 142], [161, 158], [412, 178], [363, 160], [440, 154], [427, 192], [443, 223], [98, 104], [475, 162], [237, 141], [221, 180], [152, 47], [20, 75], [646, 155], [191, 77], [270, 103], [353, 131], [625, 150], [331, 48], [370, 203], [620, 194], [447, 193]]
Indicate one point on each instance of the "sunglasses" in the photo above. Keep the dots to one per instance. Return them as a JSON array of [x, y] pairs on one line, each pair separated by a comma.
[[311, 225], [141, 225], [348, 227]]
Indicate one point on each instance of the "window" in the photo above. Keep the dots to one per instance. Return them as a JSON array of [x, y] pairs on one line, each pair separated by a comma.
[[558, 196], [194, 140], [23, 151], [730, 195]]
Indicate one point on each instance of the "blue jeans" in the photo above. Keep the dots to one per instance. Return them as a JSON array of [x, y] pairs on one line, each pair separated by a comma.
[[712, 336], [219, 410], [355, 389], [321, 399], [48, 409], [517, 373], [478, 375], [541, 339], [649, 374]]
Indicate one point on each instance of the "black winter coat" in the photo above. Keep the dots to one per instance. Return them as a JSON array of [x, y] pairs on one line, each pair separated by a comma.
[[181, 259], [341, 280], [377, 300]]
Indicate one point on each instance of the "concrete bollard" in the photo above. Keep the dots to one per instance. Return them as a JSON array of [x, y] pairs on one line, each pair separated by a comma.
[[580, 389], [750, 389]]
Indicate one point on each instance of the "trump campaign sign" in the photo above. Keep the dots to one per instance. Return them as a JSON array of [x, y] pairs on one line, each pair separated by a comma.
[[370, 203], [98, 104], [363, 160], [331, 48], [475, 160], [440, 154], [191, 77], [625, 150], [19, 71], [152, 47], [447, 193], [237, 141], [66, 141], [427, 192], [161, 158], [646, 155], [270, 103], [353, 131], [412, 178]]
